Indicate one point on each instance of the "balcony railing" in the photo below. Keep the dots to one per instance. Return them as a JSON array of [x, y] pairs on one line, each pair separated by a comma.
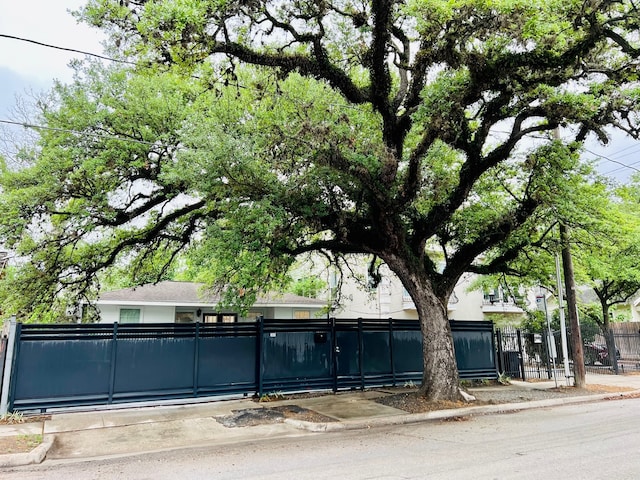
[[496, 304]]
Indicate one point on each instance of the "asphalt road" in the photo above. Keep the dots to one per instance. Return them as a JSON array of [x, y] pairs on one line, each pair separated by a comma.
[[586, 441]]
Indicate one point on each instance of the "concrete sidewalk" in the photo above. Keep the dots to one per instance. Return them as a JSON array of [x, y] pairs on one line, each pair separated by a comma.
[[131, 431]]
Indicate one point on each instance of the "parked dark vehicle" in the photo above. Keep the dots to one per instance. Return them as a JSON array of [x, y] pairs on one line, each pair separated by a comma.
[[597, 353]]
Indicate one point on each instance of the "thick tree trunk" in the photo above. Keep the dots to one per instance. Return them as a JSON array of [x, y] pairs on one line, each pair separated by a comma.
[[440, 379], [611, 358]]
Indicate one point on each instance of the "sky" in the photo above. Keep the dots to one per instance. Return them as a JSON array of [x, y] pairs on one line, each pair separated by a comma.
[[26, 67]]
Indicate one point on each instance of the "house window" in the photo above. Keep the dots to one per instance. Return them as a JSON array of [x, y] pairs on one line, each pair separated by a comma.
[[129, 315], [209, 317], [302, 314], [493, 296], [185, 317], [220, 318]]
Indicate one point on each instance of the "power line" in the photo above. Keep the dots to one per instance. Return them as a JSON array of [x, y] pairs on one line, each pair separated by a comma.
[[618, 152], [617, 169], [612, 160], [111, 59], [73, 50], [77, 132], [618, 156], [135, 64]]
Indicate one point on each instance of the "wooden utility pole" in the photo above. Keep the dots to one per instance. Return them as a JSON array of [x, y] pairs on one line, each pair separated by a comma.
[[572, 310]]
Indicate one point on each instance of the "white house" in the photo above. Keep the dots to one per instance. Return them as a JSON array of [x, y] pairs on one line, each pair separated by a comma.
[[170, 301], [390, 300], [184, 302]]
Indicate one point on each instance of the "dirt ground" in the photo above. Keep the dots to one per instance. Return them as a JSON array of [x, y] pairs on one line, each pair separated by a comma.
[[19, 443], [413, 402], [408, 400]]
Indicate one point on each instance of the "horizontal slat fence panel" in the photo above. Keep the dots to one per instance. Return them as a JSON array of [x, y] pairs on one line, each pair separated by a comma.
[[74, 365]]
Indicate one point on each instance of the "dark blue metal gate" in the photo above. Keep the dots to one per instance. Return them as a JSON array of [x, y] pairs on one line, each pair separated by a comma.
[[73, 365]]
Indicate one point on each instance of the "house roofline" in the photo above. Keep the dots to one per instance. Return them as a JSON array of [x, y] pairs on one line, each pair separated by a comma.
[[203, 305]]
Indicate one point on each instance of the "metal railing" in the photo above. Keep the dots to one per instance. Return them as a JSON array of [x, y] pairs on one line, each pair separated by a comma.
[[526, 355]]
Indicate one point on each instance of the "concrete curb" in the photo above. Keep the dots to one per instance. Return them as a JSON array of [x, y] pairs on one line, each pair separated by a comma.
[[37, 455], [451, 413]]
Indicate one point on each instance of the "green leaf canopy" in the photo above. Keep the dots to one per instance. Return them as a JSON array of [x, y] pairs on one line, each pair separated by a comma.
[[417, 132]]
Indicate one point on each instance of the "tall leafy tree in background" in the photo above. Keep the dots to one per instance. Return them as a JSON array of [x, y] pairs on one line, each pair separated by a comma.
[[404, 131], [612, 266], [607, 253], [604, 226]]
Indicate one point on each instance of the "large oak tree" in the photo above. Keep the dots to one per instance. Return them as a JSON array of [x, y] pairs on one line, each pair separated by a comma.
[[407, 131]]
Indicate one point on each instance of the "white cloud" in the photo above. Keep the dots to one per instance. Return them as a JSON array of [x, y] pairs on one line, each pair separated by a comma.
[[46, 21], [27, 68]]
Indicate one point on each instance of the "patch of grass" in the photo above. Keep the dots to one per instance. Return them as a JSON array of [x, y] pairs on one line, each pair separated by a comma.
[[19, 443], [271, 397], [18, 417], [12, 418]]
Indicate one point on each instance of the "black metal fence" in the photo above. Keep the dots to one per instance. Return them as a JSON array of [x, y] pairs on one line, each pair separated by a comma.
[[3, 355], [527, 356], [73, 365], [523, 355]]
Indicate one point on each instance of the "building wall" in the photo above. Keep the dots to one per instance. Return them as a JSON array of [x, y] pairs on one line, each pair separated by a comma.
[[385, 301], [167, 314], [148, 314], [390, 300], [288, 313], [464, 304]]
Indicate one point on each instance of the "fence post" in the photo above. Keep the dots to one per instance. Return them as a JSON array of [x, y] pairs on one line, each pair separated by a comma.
[[259, 348], [549, 353], [521, 354], [4, 340], [196, 359], [8, 367], [613, 355], [334, 353], [112, 373], [500, 352], [393, 366], [360, 353], [14, 365]]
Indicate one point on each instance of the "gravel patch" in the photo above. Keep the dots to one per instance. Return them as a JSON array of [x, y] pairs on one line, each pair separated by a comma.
[[413, 402]]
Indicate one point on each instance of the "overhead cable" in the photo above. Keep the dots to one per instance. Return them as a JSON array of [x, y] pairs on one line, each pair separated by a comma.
[[73, 50]]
